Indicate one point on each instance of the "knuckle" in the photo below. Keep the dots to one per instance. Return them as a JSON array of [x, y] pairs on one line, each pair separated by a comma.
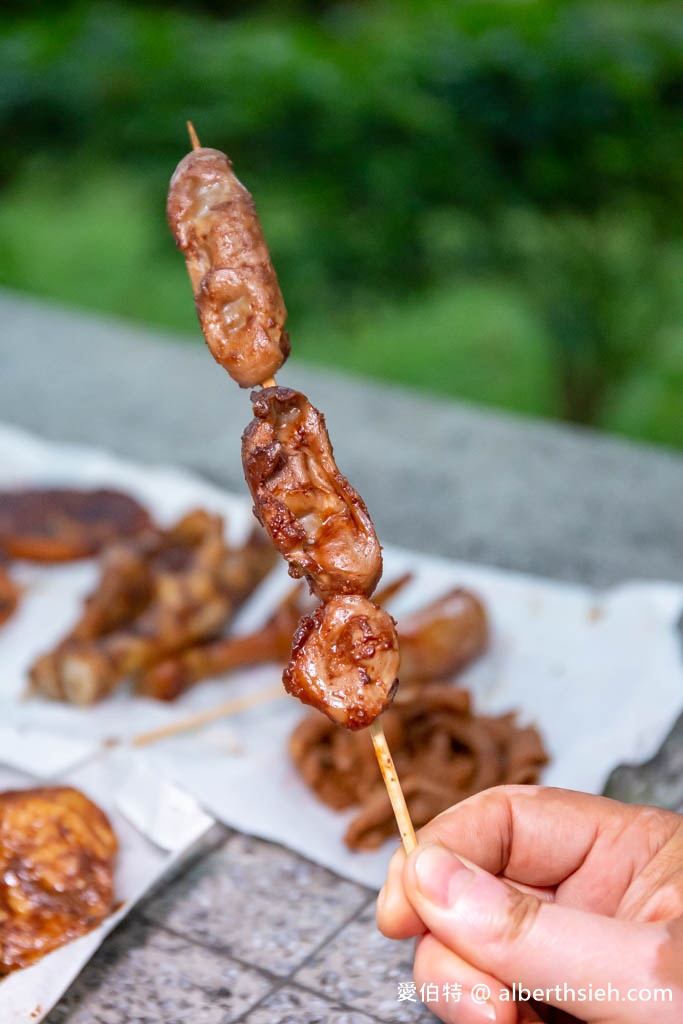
[[516, 919]]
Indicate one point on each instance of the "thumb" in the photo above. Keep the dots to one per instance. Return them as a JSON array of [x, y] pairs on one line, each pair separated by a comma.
[[581, 961]]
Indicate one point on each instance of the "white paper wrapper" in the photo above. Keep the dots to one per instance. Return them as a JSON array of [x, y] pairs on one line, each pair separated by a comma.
[[599, 673], [154, 823]]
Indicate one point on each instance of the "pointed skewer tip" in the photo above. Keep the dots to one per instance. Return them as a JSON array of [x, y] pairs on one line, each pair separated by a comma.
[[193, 136]]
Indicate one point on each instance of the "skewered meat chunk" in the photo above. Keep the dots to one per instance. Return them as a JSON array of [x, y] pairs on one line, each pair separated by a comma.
[[238, 300], [57, 853], [440, 639], [60, 524], [314, 516], [345, 660], [9, 596]]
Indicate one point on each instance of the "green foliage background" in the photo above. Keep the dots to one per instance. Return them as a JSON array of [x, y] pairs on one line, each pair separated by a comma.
[[483, 199]]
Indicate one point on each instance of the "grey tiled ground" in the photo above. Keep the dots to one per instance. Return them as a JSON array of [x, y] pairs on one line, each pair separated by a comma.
[[258, 902], [250, 932], [364, 969], [291, 1005], [148, 976]]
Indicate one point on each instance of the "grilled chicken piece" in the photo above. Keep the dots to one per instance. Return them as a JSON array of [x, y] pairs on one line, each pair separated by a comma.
[[314, 516], [437, 641], [9, 596], [57, 852], [345, 661], [238, 299], [157, 595], [271, 642]]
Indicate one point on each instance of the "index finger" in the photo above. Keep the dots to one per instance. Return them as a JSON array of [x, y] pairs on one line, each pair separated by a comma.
[[551, 841], [538, 835]]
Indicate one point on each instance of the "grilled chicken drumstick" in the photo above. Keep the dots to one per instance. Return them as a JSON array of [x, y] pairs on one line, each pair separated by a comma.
[[436, 642], [159, 593], [272, 642]]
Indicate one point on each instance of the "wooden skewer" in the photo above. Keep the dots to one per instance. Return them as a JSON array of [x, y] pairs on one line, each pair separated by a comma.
[[398, 801], [379, 740], [193, 136], [228, 707]]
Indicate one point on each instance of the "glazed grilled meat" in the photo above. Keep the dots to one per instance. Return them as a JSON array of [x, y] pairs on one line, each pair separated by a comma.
[[345, 660], [9, 596], [312, 513], [162, 592], [271, 642], [60, 524], [441, 638], [57, 853], [238, 300]]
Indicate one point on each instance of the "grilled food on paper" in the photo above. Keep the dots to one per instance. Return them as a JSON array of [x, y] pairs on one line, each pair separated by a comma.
[[57, 852], [61, 524]]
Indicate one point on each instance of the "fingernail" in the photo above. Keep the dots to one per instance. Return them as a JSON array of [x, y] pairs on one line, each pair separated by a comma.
[[441, 876]]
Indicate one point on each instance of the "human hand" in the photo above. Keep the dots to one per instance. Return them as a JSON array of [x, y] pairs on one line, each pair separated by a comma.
[[589, 894]]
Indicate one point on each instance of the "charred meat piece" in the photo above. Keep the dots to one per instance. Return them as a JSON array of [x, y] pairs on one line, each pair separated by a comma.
[[245, 566], [442, 750], [158, 595], [440, 639], [272, 642], [345, 661], [58, 525], [9, 596], [57, 852], [238, 300], [314, 516], [125, 588]]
